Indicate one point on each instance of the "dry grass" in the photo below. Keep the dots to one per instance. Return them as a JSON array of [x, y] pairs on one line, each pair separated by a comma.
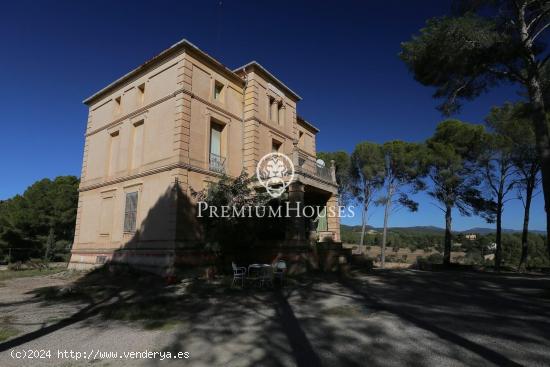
[[347, 311], [7, 330], [11, 274]]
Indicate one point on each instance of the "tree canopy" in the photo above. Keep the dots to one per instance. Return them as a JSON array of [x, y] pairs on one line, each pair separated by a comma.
[[27, 220], [482, 44], [478, 47], [343, 166], [452, 157]]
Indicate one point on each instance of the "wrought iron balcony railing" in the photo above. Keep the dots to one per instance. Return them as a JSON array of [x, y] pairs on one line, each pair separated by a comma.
[[217, 163], [310, 166]]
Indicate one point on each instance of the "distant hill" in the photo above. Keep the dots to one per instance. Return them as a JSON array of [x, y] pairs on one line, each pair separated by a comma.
[[416, 229], [434, 229], [484, 230]]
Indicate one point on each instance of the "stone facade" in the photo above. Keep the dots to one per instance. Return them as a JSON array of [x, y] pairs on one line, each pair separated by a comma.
[[178, 122]]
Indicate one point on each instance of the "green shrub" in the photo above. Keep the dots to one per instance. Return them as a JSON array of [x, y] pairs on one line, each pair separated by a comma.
[[435, 258]]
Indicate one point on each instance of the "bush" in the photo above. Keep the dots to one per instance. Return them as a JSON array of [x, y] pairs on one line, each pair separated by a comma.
[[426, 263], [436, 258], [422, 263], [473, 257], [363, 262], [15, 266]]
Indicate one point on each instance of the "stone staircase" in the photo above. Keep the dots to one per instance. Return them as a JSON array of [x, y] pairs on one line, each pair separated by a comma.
[[332, 256]]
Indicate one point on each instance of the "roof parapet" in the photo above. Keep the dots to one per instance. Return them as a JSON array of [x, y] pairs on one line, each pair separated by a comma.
[[169, 51], [255, 64], [307, 123]]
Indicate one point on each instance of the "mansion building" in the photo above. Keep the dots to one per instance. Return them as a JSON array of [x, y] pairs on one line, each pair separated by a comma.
[[175, 124]]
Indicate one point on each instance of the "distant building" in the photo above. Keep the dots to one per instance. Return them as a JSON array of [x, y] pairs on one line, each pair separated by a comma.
[[471, 236]]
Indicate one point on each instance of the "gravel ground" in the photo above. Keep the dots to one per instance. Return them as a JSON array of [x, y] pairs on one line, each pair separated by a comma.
[[391, 318]]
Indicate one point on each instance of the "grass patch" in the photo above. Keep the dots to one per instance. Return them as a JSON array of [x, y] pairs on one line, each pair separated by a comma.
[[152, 315], [135, 312], [53, 319], [11, 274], [7, 332], [55, 293], [164, 325], [6, 329], [346, 311]]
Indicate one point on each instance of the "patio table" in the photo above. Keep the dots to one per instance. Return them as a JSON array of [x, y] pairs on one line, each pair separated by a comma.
[[260, 273]]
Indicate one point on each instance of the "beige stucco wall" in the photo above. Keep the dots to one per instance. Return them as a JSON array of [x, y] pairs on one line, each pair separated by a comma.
[[151, 140]]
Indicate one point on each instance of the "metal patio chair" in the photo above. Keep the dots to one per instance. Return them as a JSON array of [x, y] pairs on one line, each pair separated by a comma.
[[279, 272], [266, 275], [239, 274]]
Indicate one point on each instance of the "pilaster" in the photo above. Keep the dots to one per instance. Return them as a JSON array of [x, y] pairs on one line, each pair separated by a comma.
[[333, 217], [251, 127], [182, 125], [295, 228]]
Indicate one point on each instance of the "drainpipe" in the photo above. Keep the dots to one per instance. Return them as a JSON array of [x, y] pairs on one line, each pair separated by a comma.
[[242, 120]]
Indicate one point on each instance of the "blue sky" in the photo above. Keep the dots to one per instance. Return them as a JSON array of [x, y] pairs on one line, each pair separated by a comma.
[[341, 57]]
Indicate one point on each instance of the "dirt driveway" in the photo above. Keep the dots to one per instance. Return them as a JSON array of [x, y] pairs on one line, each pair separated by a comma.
[[391, 318]]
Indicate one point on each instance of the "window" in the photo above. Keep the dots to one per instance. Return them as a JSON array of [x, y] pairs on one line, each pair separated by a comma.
[[218, 89], [137, 145], [275, 146], [130, 211], [216, 139], [322, 221], [100, 259], [113, 153], [141, 93], [106, 218], [217, 162]]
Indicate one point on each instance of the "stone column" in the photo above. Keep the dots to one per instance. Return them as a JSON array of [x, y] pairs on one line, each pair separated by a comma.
[[333, 217], [281, 113], [295, 154], [295, 228], [333, 170]]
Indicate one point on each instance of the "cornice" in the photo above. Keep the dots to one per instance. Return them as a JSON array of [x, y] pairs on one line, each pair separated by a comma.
[[179, 47], [144, 109], [222, 110], [149, 172]]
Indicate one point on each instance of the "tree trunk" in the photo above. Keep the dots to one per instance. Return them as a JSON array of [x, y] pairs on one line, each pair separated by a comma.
[[385, 233], [543, 149], [540, 122], [500, 207], [448, 236], [49, 244], [525, 232], [363, 227], [498, 252]]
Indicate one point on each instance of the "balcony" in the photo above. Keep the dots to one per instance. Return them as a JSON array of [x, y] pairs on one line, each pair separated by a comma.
[[217, 163], [310, 166]]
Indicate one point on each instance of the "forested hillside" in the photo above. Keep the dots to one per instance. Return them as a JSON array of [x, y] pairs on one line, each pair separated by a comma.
[[40, 222], [431, 238]]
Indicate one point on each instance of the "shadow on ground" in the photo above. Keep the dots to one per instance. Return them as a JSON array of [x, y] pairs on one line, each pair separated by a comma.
[[390, 318], [501, 319]]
